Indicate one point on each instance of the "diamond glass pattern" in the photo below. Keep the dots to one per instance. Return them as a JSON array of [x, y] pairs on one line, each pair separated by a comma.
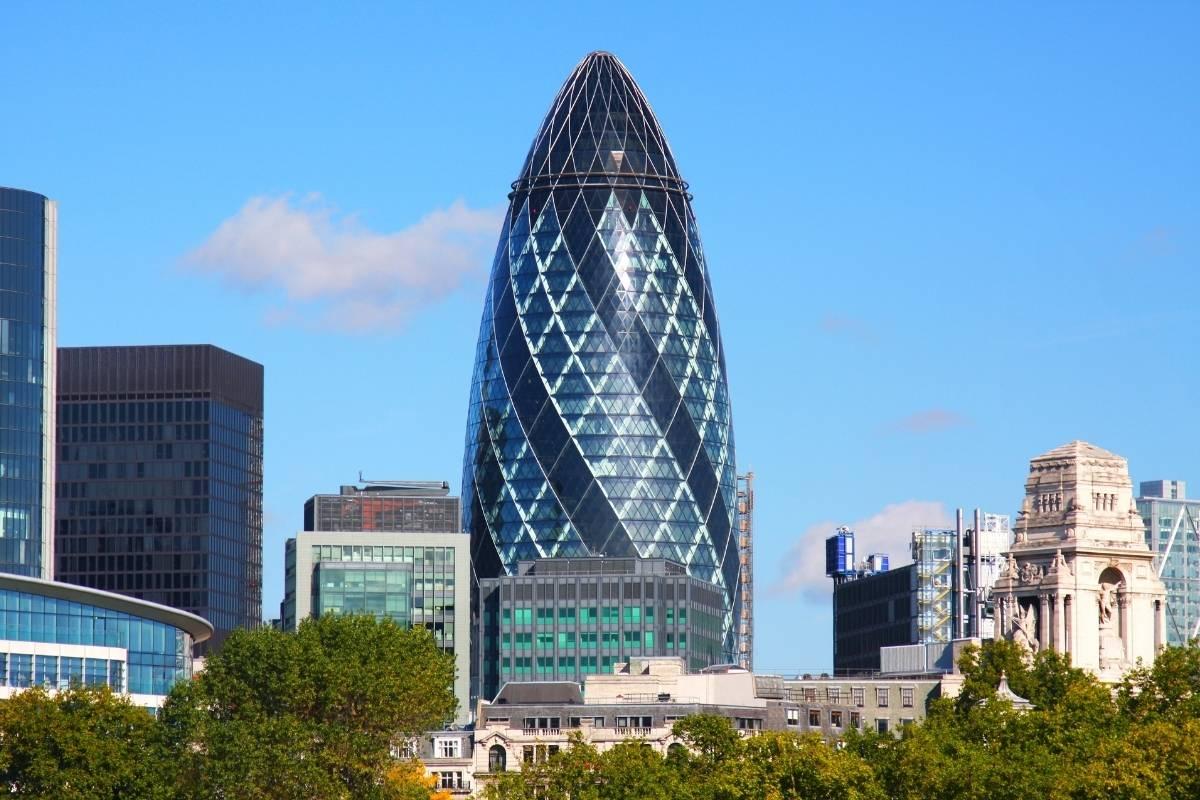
[[599, 420]]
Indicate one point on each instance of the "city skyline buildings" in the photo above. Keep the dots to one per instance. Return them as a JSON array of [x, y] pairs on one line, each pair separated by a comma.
[[809, 172], [599, 420]]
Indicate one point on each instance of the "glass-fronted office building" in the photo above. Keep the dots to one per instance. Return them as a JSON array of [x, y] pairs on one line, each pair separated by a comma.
[[564, 618], [54, 635], [1173, 534], [599, 419], [413, 578], [28, 264], [159, 491]]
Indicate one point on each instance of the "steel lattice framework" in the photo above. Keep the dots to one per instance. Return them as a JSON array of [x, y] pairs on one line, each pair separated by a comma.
[[599, 419]]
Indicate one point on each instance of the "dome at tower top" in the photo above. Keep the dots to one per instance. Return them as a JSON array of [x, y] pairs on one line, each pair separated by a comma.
[[600, 129]]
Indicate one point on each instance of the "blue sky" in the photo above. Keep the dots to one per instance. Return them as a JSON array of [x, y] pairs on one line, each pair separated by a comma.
[[942, 239]]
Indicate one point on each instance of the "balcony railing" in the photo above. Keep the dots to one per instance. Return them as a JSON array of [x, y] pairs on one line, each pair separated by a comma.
[[634, 733], [541, 731]]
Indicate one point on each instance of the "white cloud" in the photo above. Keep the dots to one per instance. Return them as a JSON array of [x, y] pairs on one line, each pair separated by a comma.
[[931, 420], [335, 272], [889, 531]]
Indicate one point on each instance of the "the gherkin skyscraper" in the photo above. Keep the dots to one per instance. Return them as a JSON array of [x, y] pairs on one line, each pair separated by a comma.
[[599, 421]]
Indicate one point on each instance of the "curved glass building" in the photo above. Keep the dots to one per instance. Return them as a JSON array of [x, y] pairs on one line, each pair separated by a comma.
[[599, 421], [54, 635], [27, 286]]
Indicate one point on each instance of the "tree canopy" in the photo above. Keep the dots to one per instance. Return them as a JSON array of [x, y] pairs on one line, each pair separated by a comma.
[[316, 715]]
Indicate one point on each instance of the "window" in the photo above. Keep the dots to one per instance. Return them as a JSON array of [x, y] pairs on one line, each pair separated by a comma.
[[447, 747], [834, 694], [906, 697], [670, 618], [523, 616], [611, 615], [906, 721], [856, 720], [814, 718], [545, 641], [881, 698], [749, 724], [810, 694], [632, 615], [857, 696], [451, 780], [793, 716], [587, 641], [545, 616], [835, 719], [587, 616], [649, 638], [881, 725], [566, 615], [405, 749]]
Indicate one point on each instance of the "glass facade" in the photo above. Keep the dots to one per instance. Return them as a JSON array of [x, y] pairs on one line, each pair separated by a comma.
[[1173, 534], [158, 654], [27, 253], [159, 491], [563, 619], [412, 585], [383, 590], [599, 420]]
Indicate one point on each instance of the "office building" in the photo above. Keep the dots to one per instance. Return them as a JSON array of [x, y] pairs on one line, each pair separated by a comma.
[[54, 635], [413, 578], [872, 610], [945, 594], [28, 265], [599, 420], [563, 619], [410, 506], [160, 472], [1172, 524]]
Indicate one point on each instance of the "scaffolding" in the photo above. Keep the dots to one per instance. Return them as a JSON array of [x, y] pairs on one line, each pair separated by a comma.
[[745, 532]]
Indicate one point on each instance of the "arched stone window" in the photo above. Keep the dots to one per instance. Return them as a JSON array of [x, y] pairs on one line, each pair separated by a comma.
[[497, 758]]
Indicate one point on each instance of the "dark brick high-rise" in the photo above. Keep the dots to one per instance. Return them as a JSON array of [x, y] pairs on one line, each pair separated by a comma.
[[159, 490]]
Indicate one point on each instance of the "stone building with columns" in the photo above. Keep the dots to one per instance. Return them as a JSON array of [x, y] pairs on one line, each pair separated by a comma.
[[1079, 578]]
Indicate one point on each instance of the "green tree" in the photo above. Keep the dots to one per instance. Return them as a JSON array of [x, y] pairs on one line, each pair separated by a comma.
[[307, 715], [79, 744], [1170, 689]]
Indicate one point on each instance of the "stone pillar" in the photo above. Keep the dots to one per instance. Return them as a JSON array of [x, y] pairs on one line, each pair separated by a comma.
[[1044, 620], [1123, 612], [1068, 628], [1159, 626], [1060, 643]]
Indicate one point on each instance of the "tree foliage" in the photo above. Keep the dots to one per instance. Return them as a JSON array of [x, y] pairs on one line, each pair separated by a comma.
[[1081, 741], [314, 715], [311, 715]]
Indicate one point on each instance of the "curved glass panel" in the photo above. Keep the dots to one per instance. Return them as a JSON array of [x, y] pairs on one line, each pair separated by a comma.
[[159, 655], [599, 420]]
